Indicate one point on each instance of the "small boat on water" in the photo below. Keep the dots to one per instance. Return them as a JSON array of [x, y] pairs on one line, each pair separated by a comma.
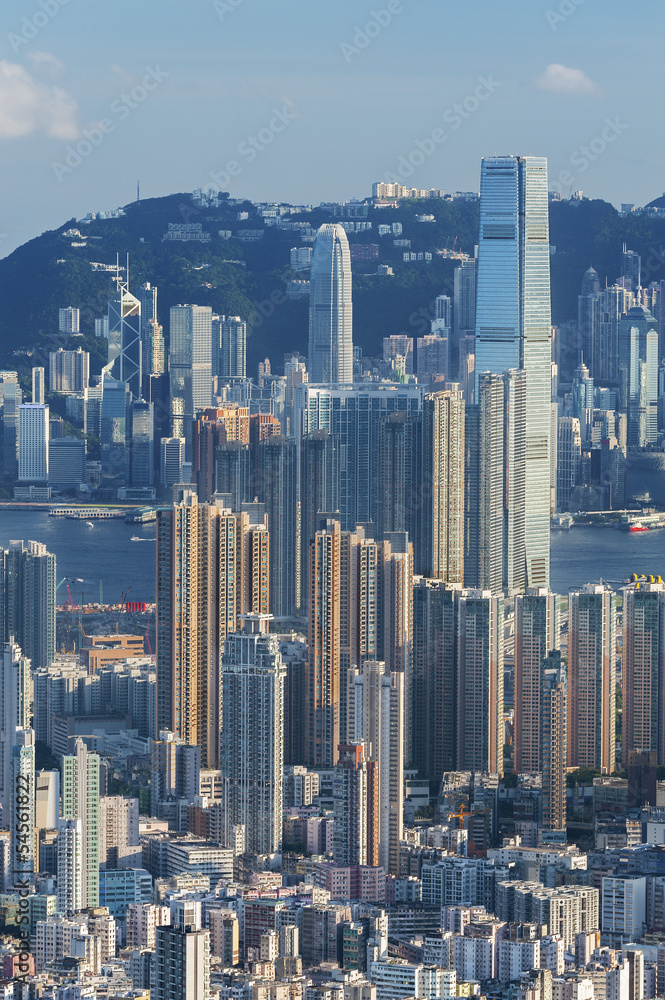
[[135, 538], [90, 524], [639, 527]]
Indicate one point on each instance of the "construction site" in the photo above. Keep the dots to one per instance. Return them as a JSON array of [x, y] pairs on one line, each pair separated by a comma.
[[79, 622]]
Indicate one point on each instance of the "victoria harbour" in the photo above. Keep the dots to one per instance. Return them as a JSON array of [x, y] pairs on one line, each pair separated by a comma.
[[107, 553]]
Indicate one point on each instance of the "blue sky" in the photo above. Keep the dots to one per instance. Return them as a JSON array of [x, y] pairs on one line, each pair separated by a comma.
[[296, 101]]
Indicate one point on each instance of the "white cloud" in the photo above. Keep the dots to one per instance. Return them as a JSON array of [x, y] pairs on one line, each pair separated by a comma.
[[46, 60], [560, 79], [28, 106]]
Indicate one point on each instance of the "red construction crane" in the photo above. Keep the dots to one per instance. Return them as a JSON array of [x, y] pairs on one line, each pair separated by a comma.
[[147, 639]]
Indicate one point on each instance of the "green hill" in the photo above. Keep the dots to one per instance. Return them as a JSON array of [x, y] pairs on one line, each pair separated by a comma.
[[249, 278]]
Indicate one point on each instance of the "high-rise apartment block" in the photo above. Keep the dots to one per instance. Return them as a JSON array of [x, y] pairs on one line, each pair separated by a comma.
[[355, 792], [252, 734], [229, 347], [330, 308], [513, 322], [80, 802], [592, 654], [643, 671], [536, 635], [27, 600], [212, 565], [16, 687], [69, 371], [182, 955], [68, 320]]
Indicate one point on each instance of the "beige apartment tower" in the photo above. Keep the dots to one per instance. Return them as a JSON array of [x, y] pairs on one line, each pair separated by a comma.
[[592, 678]]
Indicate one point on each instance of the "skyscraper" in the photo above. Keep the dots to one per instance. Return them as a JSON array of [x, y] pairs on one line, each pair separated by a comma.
[[480, 714], [124, 336], [319, 493], [323, 669], [330, 309], [638, 375], [38, 386], [212, 565], [213, 428], [141, 450], [16, 687], [252, 734], [190, 364], [441, 552], [643, 672], [27, 601], [554, 744], [464, 303], [22, 811], [229, 347], [375, 716], [69, 371], [33, 436], [114, 417], [592, 678], [495, 532], [536, 635], [355, 793], [275, 481], [513, 321], [80, 801]]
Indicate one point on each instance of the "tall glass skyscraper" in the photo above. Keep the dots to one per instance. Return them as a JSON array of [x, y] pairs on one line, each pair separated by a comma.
[[330, 311], [513, 321]]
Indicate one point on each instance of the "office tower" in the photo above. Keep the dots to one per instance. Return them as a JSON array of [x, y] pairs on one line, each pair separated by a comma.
[[33, 435], [113, 428], [638, 375], [66, 463], [22, 829], [70, 866], [464, 302], [319, 492], [69, 371], [252, 734], [213, 428], [38, 386], [569, 459], [439, 546], [330, 310], [643, 671], [181, 962], [480, 714], [592, 678], [68, 320], [212, 566], [495, 531], [80, 801], [11, 397], [141, 457], [172, 452], [588, 319], [434, 685], [513, 322], [375, 717], [275, 482], [323, 669], [16, 687], [582, 391], [431, 358], [190, 364], [152, 335], [355, 794], [354, 415], [229, 347], [631, 269], [399, 345], [536, 634], [553, 743], [27, 601], [124, 336]]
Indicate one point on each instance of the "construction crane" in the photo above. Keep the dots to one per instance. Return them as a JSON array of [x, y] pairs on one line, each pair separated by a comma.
[[124, 596], [147, 639]]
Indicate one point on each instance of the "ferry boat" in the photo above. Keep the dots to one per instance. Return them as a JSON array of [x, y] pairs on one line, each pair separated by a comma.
[[638, 527]]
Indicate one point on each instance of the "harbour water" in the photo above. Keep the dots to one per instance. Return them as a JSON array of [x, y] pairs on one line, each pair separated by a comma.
[[106, 552]]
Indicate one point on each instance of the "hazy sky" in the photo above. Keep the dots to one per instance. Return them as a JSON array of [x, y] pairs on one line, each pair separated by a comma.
[[307, 100]]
